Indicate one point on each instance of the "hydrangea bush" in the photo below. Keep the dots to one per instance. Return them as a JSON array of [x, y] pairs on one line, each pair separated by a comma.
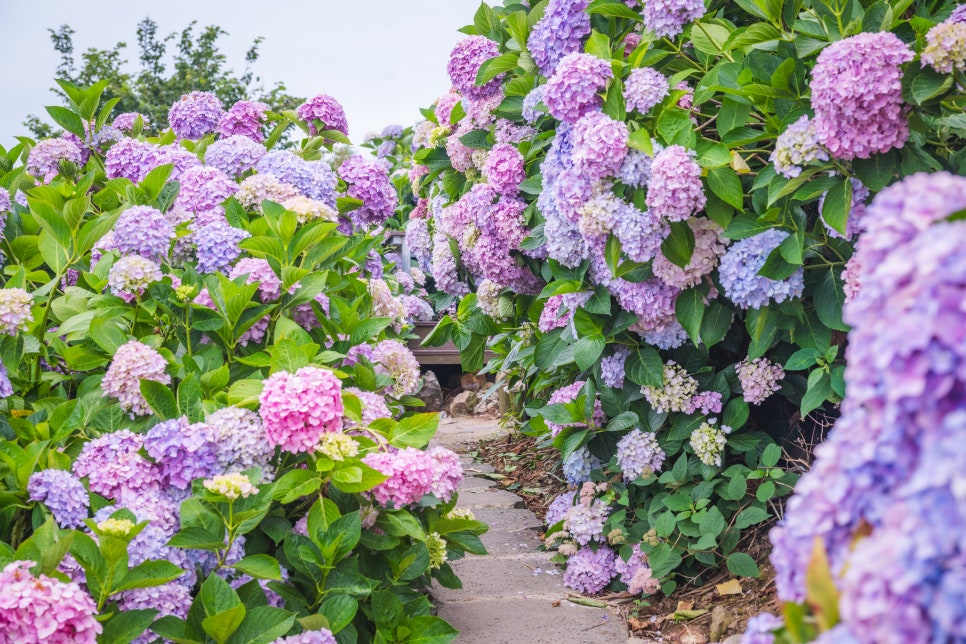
[[663, 282], [207, 427]]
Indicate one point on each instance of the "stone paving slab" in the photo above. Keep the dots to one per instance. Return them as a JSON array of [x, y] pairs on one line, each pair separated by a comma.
[[521, 576], [501, 520], [511, 542], [474, 482], [485, 497], [532, 621]]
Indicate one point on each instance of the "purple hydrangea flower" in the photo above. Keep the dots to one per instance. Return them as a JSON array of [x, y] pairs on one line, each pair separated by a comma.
[[857, 95], [559, 507], [531, 102], [131, 159], [15, 312], [237, 434], [464, 64], [131, 275], [44, 159], [217, 245], [314, 179], [760, 629], [578, 466], [709, 246], [63, 494], [203, 188], [234, 155], [638, 454], [573, 89], [244, 118], [559, 32], [195, 114], [668, 18], [675, 192], [143, 231], [113, 464], [183, 451], [600, 145], [644, 88], [612, 367], [795, 147], [327, 111], [739, 272], [125, 122], [589, 571], [504, 169], [368, 181], [321, 636]]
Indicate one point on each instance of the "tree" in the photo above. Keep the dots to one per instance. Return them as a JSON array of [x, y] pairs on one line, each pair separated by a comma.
[[195, 62]]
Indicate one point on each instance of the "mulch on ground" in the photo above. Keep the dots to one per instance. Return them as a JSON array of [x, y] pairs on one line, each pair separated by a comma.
[[693, 614]]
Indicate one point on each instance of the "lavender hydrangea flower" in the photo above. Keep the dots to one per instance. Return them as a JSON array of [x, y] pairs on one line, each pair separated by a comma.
[[125, 121], [709, 246], [559, 32], [444, 268], [573, 89], [760, 629], [559, 508], [612, 367], [739, 272], [132, 362], [668, 18], [321, 636], [531, 102], [143, 231], [63, 494], [195, 114], [585, 521], [203, 188], [795, 147], [44, 159], [644, 88], [131, 275], [327, 111], [578, 466], [113, 464], [857, 95], [244, 118], [675, 192], [15, 312], [6, 387], [217, 245], [314, 179], [504, 169], [183, 451], [860, 195], [369, 182], [464, 64], [237, 436], [640, 233], [234, 155], [589, 571], [600, 145], [131, 159], [638, 455]]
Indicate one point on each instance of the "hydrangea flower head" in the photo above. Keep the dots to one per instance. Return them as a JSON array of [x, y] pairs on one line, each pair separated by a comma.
[[589, 571], [63, 494], [43, 609], [600, 145], [797, 146], [326, 110], [504, 169], [708, 442], [313, 179], [639, 455], [759, 379], [183, 451], [217, 244], [644, 88], [125, 122], [239, 440], [231, 486], [321, 636], [675, 192], [195, 114], [709, 246], [131, 275], [464, 65], [857, 95], [44, 159], [573, 89], [559, 32], [612, 367], [578, 466], [114, 466], [394, 359], [134, 361], [297, 409], [447, 473], [369, 182], [15, 312], [410, 471], [260, 271], [253, 190], [739, 272], [244, 118], [144, 231], [234, 155], [675, 394], [668, 18], [945, 49], [204, 187]]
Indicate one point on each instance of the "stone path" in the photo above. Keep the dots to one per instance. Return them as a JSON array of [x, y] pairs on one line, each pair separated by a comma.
[[514, 594]]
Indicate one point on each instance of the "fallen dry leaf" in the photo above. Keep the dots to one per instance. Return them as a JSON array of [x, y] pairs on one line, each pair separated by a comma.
[[730, 587]]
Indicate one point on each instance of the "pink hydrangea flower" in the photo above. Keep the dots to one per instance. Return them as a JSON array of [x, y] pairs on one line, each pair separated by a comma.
[[134, 361], [298, 408], [43, 609], [411, 475]]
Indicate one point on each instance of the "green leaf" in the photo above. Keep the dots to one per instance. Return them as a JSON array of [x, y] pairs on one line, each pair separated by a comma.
[[221, 625], [837, 205], [126, 625], [260, 567], [829, 300], [678, 246], [712, 523], [742, 565], [689, 309], [724, 183], [715, 325], [644, 367], [675, 127], [67, 120], [414, 431], [427, 629], [263, 625], [819, 390], [339, 610], [587, 351], [150, 573], [107, 334], [735, 414], [749, 517], [598, 45], [295, 484], [771, 455], [929, 84], [160, 398], [613, 9], [496, 66]]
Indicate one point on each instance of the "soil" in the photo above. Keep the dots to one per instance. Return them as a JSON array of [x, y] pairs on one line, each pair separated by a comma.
[[533, 473]]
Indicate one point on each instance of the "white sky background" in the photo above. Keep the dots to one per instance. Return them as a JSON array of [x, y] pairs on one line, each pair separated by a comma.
[[382, 59]]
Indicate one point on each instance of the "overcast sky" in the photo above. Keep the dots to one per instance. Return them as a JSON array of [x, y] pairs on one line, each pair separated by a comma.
[[382, 59]]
